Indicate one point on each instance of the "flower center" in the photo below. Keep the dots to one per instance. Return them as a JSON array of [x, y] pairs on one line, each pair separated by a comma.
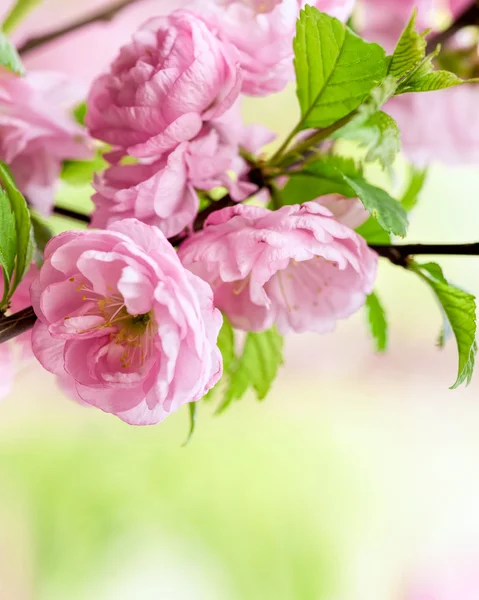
[[134, 333]]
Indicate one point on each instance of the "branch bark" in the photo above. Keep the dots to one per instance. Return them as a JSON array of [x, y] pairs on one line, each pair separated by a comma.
[[71, 214], [16, 324], [103, 15], [401, 254]]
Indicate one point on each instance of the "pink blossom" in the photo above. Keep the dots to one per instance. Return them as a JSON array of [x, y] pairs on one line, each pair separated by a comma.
[[263, 34], [38, 132], [444, 127], [157, 194], [348, 211], [163, 193], [19, 301], [296, 267], [341, 9], [121, 317], [173, 77]]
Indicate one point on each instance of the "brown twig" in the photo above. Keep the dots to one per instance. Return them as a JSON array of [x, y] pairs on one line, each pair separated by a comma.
[[401, 254], [71, 214], [103, 15]]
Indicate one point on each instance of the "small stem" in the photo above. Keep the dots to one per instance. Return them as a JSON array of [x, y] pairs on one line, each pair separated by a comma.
[[275, 195], [313, 140], [277, 155], [103, 15]]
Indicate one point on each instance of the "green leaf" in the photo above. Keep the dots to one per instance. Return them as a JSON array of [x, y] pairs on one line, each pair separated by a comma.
[[80, 172], [319, 179], [429, 82], [459, 308], [410, 50], [17, 13], [377, 321], [389, 212], [373, 233], [374, 129], [226, 345], [9, 56], [379, 133], [335, 69], [332, 174], [192, 411], [435, 271], [25, 244], [425, 79], [416, 183], [42, 234], [79, 113], [8, 245], [255, 368]]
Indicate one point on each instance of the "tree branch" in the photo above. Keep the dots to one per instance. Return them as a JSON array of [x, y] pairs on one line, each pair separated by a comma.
[[71, 214], [103, 15], [400, 255], [16, 324]]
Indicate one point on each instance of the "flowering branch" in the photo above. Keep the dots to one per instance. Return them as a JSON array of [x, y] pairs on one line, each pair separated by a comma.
[[103, 15], [400, 255], [141, 292]]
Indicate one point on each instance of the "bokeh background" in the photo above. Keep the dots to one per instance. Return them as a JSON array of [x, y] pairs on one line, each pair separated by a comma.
[[357, 474]]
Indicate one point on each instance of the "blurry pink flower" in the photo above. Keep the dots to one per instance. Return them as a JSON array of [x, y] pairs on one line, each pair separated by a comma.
[[452, 579], [173, 77], [163, 193], [341, 9], [38, 132], [8, 370], [445, 129], [263, 35], [263, 32], [296, 267], [382, 21], [20, 300], [121, 317], [91, 48]]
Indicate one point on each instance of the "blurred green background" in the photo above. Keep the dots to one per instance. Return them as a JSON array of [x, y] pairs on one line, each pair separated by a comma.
[[354, 471]]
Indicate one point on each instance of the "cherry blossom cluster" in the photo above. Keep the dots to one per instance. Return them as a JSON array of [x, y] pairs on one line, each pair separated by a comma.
[[129, 310]]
